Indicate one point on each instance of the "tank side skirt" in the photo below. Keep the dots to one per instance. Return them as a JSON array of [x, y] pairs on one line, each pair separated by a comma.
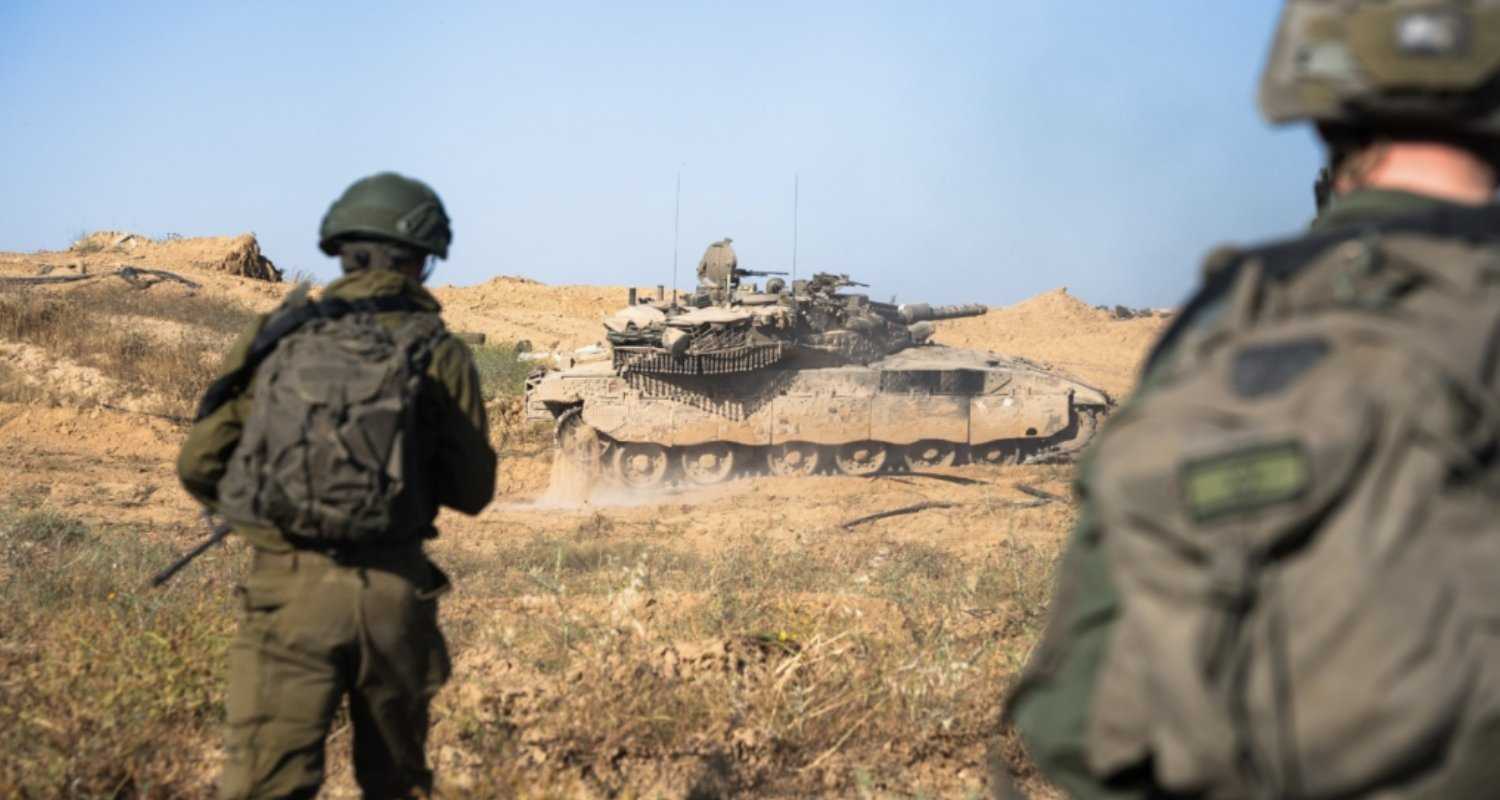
[[828, 410]]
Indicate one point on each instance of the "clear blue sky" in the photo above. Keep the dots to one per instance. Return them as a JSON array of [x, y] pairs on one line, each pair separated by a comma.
[[947, 151]]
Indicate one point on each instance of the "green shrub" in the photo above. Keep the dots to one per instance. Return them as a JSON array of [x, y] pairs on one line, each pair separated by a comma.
[[502, 373]]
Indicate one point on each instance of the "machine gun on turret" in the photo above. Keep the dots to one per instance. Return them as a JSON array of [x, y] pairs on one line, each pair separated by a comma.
[[827, 283], [756, 273], [855, 327]]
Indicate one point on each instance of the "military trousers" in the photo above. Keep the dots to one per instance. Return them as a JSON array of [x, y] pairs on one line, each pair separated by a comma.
[[314, 631]]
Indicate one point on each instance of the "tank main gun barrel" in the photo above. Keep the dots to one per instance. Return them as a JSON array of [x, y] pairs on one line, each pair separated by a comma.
[[756, 272], [922, 312]]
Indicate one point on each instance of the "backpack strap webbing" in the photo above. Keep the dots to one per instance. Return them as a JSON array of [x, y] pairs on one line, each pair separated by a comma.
[[1282, 260], [282, 323]]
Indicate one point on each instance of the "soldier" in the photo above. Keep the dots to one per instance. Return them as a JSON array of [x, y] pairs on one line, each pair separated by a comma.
[[1282, 580], [717, 267], [337, 431]]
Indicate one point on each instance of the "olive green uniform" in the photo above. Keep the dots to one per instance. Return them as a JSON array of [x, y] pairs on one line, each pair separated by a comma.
[[315, 626], [1052, 706]]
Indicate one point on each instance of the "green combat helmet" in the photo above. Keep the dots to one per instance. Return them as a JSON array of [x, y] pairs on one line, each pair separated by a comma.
[[390, 207], [1423, 66]]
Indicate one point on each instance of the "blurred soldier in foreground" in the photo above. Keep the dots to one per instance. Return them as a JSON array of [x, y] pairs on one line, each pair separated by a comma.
[[1283, 581], [337, 430]]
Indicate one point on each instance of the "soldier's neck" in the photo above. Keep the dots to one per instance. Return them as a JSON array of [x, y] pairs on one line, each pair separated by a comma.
[[1432, 169]]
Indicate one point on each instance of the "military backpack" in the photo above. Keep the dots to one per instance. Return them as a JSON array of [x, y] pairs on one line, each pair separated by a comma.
[[1301, 516], [327, 453]]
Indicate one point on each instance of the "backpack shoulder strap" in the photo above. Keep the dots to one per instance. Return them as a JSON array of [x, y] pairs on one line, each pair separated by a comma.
[[283, 322], [1281, 260]]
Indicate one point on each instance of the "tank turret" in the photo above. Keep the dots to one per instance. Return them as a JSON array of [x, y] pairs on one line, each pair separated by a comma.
[[856, 329], [730, 325]]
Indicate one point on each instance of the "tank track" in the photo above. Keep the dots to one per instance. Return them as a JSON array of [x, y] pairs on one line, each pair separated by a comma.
[[657, 465]]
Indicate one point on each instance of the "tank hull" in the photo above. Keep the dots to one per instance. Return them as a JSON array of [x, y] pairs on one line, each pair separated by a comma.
[[945, 401]]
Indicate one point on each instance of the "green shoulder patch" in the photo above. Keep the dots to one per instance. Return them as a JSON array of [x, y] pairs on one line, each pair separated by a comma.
[[1245, 480]]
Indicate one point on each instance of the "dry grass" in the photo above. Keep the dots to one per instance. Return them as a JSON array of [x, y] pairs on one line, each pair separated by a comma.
[[108, 691], [85, 243], [14, 388], [608, 662], [93, 327], [612, 657], [611, 662]]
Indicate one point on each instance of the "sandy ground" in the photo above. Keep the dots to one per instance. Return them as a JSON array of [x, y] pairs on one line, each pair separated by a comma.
[[117, 466]]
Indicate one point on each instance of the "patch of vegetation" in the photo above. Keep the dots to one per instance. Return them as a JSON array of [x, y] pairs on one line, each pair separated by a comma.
[[14, 388], [502, 373], [298, 275], [110, 690], [221, 316], [94, 327], [588, 662], [760, 668], [85, 243]]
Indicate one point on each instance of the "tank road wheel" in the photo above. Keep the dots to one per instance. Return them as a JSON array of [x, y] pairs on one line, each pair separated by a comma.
[[707, 464], [578, 440], [793, 458], [930, 453], [860, 458], [640, 465], [996, 453]]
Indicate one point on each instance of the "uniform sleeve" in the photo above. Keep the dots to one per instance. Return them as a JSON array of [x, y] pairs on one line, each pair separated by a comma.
[[1050, 706], [211, 441], [465, 461]]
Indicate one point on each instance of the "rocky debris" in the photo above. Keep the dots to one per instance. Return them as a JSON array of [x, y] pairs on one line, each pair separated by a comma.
[[1125, 312], [137, 277], [105, 240]]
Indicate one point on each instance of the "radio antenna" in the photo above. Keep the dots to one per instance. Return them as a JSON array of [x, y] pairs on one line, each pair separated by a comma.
[[676, 226], [795, 193]]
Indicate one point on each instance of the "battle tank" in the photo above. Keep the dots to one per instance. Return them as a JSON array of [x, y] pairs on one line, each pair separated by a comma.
[[797, 380]]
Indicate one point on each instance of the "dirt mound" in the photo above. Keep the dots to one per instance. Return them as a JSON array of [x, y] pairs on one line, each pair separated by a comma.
[[235, 255], [219, 268], [1058, 329], [34, 373], [552, 318], [1057, 306], [245, 259]]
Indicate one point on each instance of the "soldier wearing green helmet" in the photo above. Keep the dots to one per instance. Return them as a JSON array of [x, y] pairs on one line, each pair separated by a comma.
[[328, 618], [387, 207], [1281, 583]]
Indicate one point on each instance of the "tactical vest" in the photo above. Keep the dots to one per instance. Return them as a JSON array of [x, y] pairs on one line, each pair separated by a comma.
[[1301, 516]]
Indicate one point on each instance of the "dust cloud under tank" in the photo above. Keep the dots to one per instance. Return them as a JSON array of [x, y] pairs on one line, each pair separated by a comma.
[[801, 379]]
